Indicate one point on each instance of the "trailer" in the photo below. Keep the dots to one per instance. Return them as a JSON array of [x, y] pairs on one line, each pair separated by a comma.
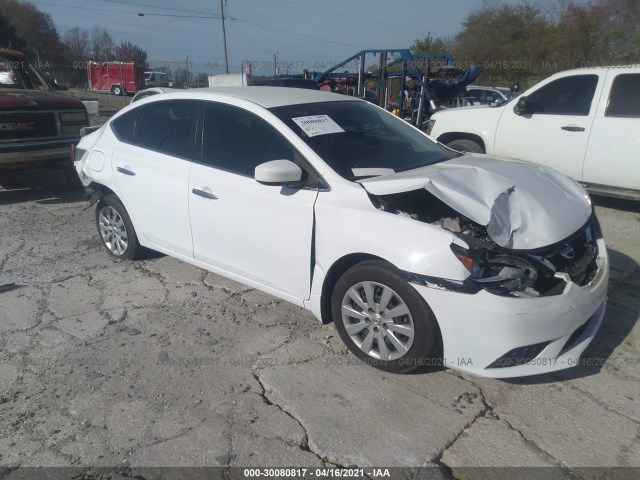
[[119, 78]]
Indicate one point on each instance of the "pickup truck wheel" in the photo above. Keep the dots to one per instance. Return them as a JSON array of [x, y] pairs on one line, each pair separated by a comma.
[[464, 145], [115, 229], [116, 90], [382, 319]]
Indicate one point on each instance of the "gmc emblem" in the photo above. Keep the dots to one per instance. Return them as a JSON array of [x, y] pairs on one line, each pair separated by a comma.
[[17, 127]]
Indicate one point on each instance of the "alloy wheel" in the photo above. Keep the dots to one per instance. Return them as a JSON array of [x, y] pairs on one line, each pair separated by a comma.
[[378, 320], [113, 230]]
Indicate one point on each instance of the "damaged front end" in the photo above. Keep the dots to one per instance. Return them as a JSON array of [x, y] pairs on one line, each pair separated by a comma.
[[501, 271], [542, 272]]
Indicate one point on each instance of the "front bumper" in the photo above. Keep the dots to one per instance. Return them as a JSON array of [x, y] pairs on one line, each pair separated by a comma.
[[480, 330], [36, 153]]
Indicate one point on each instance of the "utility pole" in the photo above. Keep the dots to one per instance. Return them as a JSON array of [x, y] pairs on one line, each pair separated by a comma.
[[224, 37]]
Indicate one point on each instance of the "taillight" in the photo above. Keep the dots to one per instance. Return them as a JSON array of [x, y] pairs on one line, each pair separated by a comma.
[[76, 153]]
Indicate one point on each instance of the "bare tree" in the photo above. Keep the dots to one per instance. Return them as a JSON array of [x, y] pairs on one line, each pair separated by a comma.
[[130, 52], [101, 44], [76, 40]]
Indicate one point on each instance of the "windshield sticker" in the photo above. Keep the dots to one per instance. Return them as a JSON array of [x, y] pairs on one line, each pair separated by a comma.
[[314, 125]]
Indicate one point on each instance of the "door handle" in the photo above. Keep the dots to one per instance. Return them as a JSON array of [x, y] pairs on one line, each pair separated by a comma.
[[126, 171], [203, 194], [572, 128]]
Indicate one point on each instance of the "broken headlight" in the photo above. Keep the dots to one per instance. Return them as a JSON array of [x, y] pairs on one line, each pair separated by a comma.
[[498, 272]]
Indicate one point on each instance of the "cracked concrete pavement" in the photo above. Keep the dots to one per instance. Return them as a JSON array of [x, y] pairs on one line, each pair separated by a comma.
[[157, 363]]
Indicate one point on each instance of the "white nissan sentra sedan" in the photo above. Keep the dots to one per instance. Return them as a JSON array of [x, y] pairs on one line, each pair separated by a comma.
[[420, 255]]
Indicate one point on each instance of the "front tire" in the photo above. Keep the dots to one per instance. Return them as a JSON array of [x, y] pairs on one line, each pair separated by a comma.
[[465, 145], [115, 229], [382, 319]]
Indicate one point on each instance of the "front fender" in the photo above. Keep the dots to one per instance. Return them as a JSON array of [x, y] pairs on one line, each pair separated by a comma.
[[347, 223], [481, 122]]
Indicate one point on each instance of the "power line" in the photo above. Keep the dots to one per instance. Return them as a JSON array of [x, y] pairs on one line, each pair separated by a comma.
[[254, 24], [174, 15], [342, 14], [81, 8], [294, 34], [181, 10]]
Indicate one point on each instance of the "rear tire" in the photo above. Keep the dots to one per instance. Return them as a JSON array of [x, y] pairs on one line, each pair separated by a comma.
[[383, 320], [116, 230], [116, 90], [465, 145]]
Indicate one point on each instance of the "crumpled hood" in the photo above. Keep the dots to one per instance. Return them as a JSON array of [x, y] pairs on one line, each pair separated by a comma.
[[523, 205]]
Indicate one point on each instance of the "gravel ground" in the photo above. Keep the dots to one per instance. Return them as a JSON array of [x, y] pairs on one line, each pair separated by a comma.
[[116, 368], [109, 103]]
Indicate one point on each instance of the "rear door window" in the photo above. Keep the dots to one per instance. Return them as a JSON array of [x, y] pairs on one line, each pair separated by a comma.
[[624, 100], [169, 127]]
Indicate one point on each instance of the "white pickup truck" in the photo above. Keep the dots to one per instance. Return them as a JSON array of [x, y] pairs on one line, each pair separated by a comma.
[[584, 123]]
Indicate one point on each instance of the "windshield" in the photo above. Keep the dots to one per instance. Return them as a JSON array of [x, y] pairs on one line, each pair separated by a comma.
[[16, 72], [359, 140]]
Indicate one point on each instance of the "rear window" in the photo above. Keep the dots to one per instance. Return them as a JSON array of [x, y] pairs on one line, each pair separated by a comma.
[[124, 125], [18, 73], [624, 100]]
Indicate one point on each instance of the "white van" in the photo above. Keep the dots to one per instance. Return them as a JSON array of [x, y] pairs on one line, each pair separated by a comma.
[[156, 79]]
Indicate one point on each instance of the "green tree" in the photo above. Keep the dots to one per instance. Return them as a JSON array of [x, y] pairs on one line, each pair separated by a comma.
[[509, 42], [581, 30], [37, 30], [8, 36], [430, 45], [604, 32]]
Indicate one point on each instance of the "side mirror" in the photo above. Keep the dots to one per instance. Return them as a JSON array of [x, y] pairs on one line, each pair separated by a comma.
[[278, 172], [522, 106]]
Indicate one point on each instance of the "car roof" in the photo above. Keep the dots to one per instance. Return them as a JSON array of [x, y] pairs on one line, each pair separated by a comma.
[[267, 97], [477, 87]]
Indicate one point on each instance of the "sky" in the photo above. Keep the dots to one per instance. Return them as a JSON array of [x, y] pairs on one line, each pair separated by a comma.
[[312, 34]]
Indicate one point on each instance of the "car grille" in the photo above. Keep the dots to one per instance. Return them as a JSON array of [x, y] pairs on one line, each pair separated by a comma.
[[23, 126], [578, 255]]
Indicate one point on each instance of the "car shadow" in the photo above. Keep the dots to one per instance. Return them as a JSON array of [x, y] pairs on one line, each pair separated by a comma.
[[148, 254], [616, 203], [46, 186], [615, 328]]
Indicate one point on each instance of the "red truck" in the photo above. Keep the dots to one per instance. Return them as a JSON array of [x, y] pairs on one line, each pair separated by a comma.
[[118, 78], [38, 125]]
